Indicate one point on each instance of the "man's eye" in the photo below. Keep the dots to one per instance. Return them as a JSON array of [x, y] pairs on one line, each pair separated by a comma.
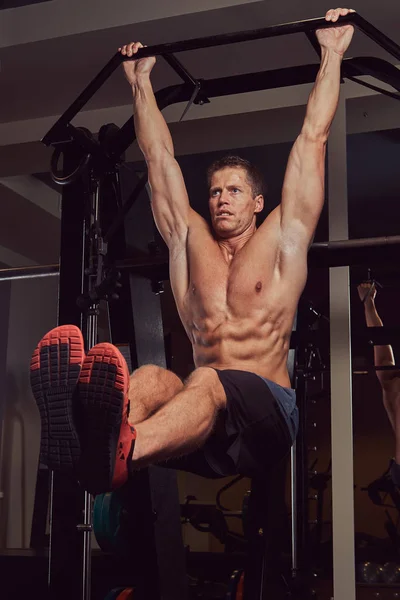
[[235, 190]]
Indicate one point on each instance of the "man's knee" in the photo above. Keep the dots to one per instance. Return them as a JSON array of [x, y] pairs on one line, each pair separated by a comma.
[[148, 371], [207, 378], [153, 374]]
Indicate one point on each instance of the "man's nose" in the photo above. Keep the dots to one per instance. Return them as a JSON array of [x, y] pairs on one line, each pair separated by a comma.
[[223, 197]]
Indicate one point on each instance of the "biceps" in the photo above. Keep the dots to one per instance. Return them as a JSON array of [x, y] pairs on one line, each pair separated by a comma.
[[169, 199]]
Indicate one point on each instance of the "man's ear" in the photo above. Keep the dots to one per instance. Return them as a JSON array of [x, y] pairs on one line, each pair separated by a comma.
[[259, 200]]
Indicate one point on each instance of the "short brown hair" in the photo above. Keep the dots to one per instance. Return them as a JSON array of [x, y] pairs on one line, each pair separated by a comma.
[[254, 177]]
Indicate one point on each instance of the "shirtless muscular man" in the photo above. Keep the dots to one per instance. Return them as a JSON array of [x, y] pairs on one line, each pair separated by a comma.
[[236, 289]]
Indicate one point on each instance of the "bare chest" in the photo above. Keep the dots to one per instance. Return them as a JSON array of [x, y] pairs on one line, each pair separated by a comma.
[[220, 290]]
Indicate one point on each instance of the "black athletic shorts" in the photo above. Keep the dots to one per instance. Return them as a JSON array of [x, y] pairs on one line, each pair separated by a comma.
[[252, 434]]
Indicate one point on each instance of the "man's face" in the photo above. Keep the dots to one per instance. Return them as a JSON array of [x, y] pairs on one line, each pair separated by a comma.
[[231, 202]]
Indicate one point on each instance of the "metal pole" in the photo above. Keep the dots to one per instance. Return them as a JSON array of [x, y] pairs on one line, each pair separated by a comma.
[[15, 277], [87, 547], [377, 36], [225, 39], [29, 272], [65, 559], [5, 297], [321, 254], [364, 251], [387, 240], [262, 80], [51, 517], [341, 371], [92, 323], [293, 497]]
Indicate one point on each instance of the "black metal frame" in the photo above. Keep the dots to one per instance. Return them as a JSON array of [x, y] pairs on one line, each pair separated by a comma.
[[62, 131], [68, 546]]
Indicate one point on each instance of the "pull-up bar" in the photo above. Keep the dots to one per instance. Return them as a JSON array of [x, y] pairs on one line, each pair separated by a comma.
[[355, 252], [306, 26], [63, 131]]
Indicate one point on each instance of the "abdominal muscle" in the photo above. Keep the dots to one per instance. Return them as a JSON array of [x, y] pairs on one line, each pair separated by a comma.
[[243, 344]]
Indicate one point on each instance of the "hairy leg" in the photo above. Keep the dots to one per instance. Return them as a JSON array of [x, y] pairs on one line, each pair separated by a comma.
[[182, 424], [150, 387]]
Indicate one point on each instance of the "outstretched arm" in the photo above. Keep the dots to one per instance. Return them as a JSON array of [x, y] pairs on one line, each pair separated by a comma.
[[303, 187], [383, 355], [170, 202]]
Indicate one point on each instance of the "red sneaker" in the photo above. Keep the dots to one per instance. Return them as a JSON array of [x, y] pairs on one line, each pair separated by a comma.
[[107, 438], [55, 368]]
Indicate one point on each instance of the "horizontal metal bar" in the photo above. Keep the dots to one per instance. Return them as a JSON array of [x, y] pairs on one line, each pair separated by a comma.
[[376, 67], [393, 240], [223, 86], [306, 26], [173, 47], [33, 272], [366, 370], [262, 80], [362, 251], [249, 82], [225, 39], [319, 254], [377, 36], [39, 276]]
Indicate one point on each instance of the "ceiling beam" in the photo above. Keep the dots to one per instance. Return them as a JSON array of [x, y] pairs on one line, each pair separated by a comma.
[[18, 132], [35, 191], [71, 17], [14, 259], [372, 112]]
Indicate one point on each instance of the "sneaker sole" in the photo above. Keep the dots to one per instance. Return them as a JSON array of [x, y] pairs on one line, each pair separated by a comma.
[[107, 438], [55, 368]]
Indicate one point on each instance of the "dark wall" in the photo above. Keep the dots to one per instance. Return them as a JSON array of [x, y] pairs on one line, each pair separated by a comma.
[[373, 161]]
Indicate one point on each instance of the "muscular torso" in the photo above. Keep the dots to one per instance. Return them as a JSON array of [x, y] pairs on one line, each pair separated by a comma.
[[238, 311]]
